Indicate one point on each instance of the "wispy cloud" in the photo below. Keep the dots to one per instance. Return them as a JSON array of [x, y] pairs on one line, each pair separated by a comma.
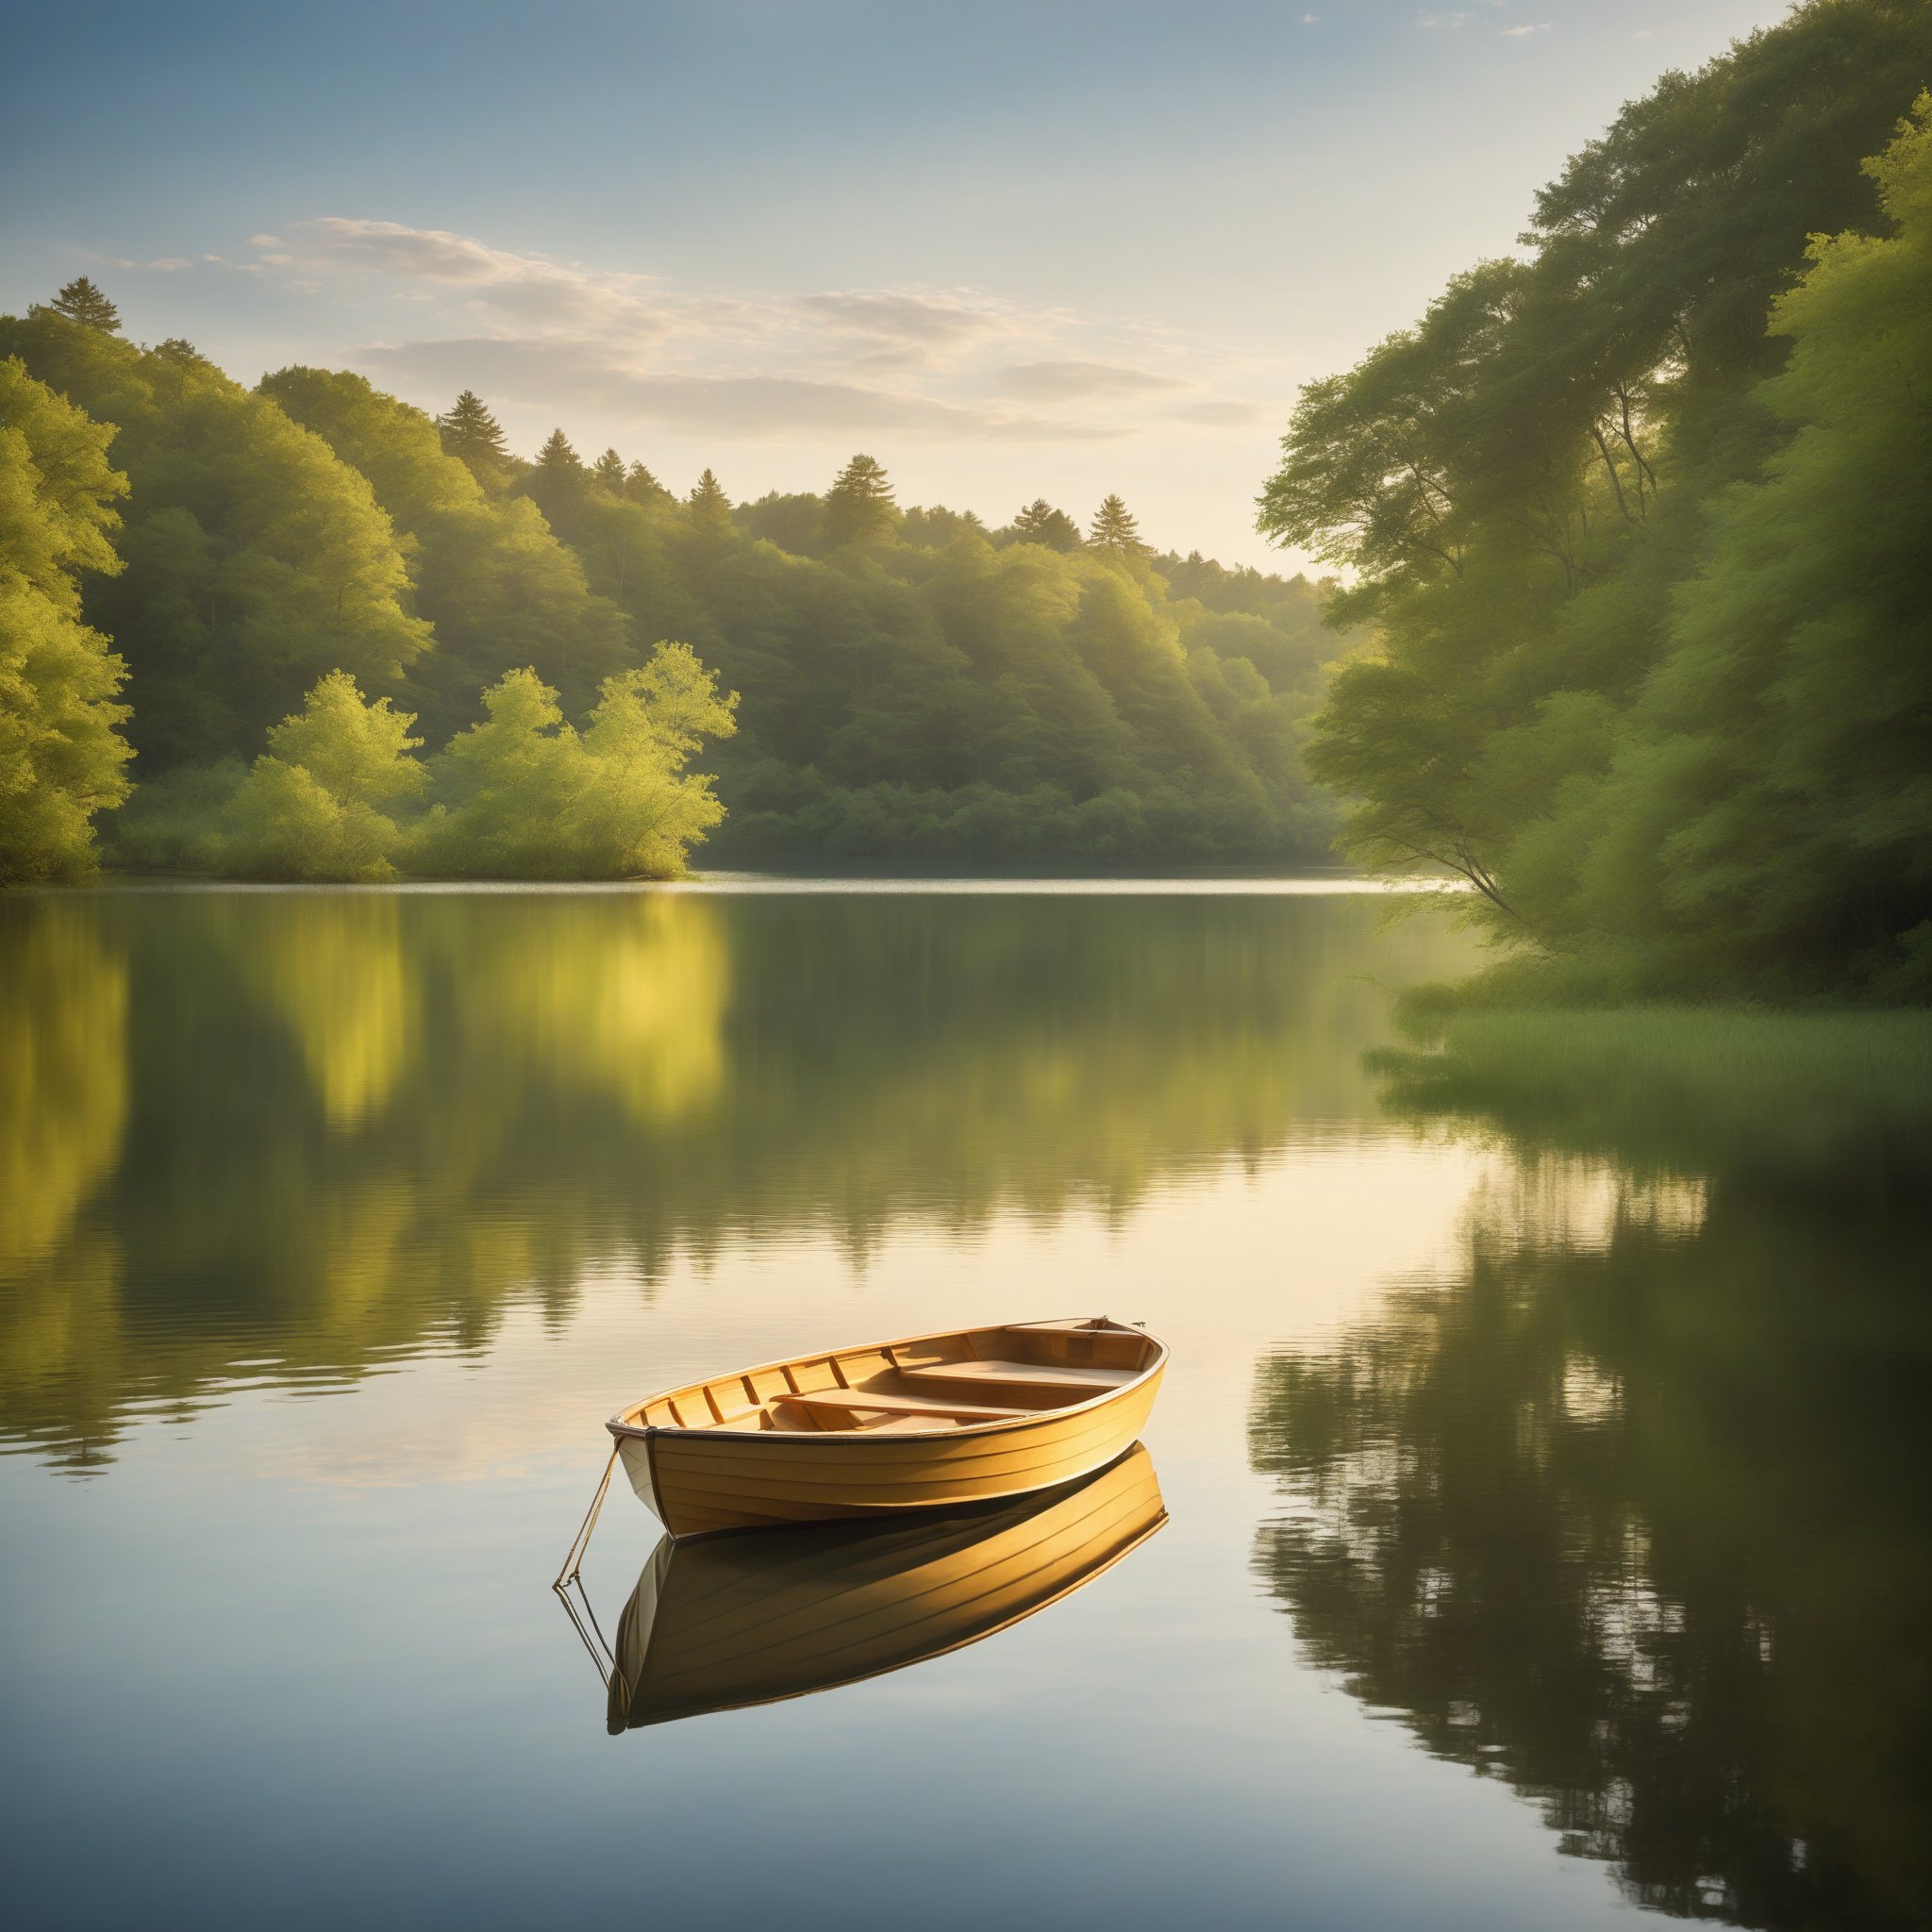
[[922, 320], [732, 406], [1077, 381], [566, 337], [1216, 412]]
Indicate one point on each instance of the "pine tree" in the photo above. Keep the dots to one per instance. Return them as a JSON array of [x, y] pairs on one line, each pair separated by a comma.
[[558, 458], [639, 485], [81, 301], [1039, 523], [858, 506], [472, 433], [1115, 527], [709, 503], [607, 473]]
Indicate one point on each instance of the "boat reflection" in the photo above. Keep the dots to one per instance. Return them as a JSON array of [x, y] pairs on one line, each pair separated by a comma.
[[732, 1621]]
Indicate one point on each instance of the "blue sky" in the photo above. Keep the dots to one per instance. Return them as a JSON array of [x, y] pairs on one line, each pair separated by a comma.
[[1010, 250]]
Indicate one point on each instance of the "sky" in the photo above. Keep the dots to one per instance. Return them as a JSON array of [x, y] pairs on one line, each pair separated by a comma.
[[1012, 251]]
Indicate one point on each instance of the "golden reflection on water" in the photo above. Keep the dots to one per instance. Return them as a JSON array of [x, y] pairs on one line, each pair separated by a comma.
[[294, 1136], [1587, 1441], [332, 971], [63, 1025], [729, 1620]]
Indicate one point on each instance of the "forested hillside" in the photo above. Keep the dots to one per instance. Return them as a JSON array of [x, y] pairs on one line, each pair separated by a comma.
[[1644, 520], [313, 574]]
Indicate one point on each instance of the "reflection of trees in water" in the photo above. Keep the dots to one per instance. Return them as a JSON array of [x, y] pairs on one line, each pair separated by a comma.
[[1635, 1517], [308, 1129], [63, 1105]]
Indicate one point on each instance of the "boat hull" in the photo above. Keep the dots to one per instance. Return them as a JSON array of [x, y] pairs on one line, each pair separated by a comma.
[[699, 1481]]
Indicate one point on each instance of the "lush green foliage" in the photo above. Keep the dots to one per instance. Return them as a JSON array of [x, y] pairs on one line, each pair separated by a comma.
[[914, 685], [256, 561], [60, 749], [311, 807], [362, 1121], [1652, 592], [523, 795], [497, 588]]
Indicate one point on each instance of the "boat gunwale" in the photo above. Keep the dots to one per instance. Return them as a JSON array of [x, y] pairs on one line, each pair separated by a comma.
[[620, 1429]]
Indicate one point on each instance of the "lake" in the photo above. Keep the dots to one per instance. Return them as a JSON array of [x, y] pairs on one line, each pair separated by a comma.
[[1546, 1535]]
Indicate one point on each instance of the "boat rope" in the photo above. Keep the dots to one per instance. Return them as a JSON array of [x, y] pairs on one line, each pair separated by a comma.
[[572, 1562], [602, 1657]]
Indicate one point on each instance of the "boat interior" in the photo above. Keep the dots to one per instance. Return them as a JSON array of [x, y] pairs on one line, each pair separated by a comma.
[[930, 1384]]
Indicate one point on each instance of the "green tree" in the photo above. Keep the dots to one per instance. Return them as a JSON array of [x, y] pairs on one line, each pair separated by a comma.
[[709, 503], [1115, 527], [642, 811], [473, 435], [858, 507], [256, 560], [523, 795], [311, 806], [489, 573], [609, 473], [81, 301], [1769, 810], [1039, 523], [558, 460], [1523, 485], [639, 485], [61, 754]]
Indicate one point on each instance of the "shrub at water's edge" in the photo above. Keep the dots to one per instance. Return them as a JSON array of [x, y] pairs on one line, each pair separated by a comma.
[[523, 795], [340, 795]]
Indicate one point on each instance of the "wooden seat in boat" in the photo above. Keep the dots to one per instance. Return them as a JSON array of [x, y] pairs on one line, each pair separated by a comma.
[[898, 1405], [999, 1375]]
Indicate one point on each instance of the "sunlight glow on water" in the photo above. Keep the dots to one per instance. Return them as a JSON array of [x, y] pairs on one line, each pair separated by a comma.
[[1505, 1481]]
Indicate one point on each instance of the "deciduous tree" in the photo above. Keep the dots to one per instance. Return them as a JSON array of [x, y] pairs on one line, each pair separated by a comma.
[[61, 752]]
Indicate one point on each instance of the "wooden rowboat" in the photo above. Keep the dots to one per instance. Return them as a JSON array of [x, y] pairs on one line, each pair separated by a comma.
[[930, 1422], [731, 1620]]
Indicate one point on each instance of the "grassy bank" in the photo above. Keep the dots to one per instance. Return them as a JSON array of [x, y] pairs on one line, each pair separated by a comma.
[[1837, 1097]]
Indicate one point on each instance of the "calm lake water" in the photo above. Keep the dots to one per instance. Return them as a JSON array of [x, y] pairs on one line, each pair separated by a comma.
[[1548, 1539]]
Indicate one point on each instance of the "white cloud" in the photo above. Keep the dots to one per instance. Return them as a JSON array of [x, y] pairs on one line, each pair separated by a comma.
[[919, 321], [568, 339], [733, 407], [1216, 412], [529, 288], [1073, 380], [1516, 33]]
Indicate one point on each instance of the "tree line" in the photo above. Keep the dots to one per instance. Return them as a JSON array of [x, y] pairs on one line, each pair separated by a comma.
[[308, 630], [1644, 520]]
